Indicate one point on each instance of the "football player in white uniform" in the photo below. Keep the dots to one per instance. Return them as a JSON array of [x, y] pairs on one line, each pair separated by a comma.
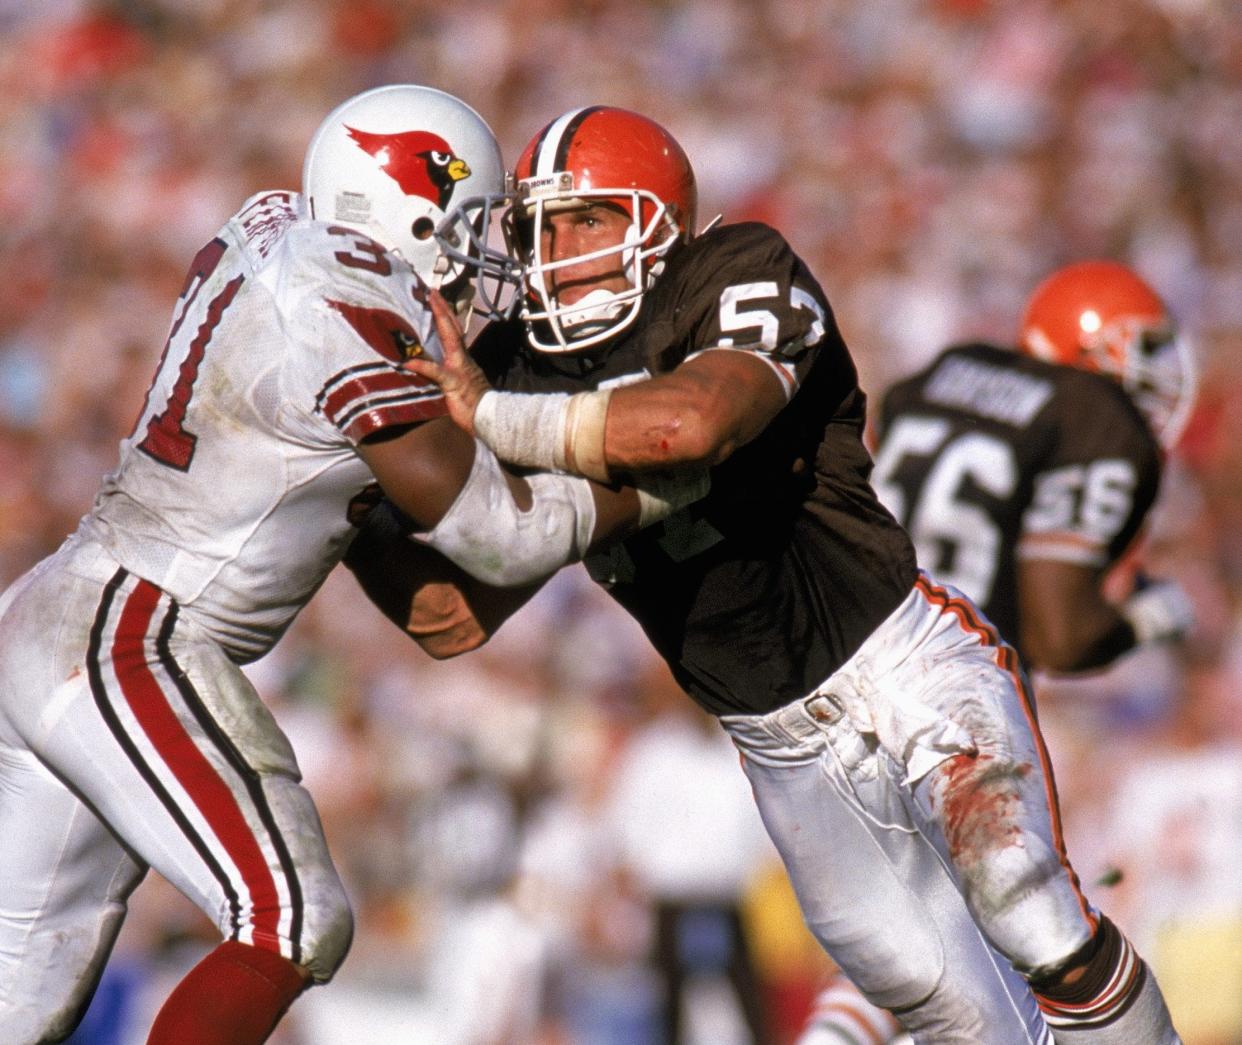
[[129, 736], [885, 727]]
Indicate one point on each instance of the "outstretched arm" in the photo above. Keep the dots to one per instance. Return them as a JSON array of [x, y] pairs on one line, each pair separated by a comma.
[[491, 537], [424, 469], [686, 420], [502, 528]]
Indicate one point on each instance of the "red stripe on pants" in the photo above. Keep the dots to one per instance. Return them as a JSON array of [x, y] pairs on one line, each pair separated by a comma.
[[197, 777]]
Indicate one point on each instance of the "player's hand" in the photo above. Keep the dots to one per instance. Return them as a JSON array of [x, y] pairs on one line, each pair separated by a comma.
[[1158, 611], [461, 380]]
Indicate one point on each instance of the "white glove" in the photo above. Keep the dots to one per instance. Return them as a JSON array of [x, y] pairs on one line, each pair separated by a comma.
[[1160, 610]]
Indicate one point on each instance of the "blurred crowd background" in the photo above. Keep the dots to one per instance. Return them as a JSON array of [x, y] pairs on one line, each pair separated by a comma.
[[520, 830]]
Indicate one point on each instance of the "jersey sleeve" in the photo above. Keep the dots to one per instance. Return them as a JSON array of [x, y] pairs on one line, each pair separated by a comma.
[[1092, 491], [357, 314], [746, 291]]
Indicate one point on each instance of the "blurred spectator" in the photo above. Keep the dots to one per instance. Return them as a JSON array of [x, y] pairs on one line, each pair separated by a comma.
[[689, 842], [1175, 833]]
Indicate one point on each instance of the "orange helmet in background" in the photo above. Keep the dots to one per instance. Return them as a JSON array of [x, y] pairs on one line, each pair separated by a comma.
[[1101, 316]]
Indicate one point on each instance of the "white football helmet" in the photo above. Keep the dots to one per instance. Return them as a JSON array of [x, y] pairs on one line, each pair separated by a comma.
[[418, 171]]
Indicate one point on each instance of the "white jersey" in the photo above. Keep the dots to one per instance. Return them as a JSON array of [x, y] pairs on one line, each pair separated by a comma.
[[285, 350]]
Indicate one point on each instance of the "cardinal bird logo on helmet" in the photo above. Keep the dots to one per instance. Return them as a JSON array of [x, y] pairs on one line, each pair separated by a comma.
[[421, 163]]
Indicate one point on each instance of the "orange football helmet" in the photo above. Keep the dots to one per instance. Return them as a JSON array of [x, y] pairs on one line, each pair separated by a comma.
[[1101, 316], [585, 155]]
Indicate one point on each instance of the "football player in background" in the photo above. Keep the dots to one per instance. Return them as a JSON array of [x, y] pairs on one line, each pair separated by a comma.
[[1024, 477], [884, 725], [129, 736]]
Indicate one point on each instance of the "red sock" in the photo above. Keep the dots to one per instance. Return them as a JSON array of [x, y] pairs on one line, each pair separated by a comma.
[[234, 996]]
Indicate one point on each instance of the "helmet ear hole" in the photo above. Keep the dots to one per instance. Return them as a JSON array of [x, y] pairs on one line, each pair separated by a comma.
[[423, 228]]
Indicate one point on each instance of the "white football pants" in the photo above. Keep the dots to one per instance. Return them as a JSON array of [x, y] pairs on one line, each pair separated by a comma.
[[911, 800], [128, 739]]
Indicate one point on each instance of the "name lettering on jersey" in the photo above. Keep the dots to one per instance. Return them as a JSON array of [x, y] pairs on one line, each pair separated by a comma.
[[385, 331], [266, 219], [989, 391]]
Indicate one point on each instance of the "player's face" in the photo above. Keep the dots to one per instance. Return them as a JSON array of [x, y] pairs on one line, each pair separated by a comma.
[[584, 230]]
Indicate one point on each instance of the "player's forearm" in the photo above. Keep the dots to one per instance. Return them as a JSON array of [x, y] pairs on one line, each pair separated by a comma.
[[623, 510], [1087, 646], [414, 587], [1068, 624], [693, 417], [684, 421], [664, 425], [440, 606]]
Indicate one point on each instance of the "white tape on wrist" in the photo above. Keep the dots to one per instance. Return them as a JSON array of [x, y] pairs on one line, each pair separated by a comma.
[[581, 449], [487, 535], [522, 429], [549, 431]]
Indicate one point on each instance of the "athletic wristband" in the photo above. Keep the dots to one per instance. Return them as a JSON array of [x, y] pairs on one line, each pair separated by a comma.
[[548, 431], [522, 429], [582, 443]]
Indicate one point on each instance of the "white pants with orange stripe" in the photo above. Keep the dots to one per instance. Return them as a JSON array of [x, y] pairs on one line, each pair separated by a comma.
[[128, 739], [911, 799]]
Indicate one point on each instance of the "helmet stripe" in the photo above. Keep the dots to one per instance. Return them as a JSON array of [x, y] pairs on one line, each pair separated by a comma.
[[543, 160], [552, 151]]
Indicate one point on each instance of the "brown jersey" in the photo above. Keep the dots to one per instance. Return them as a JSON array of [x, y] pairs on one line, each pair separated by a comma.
[[757, 593], [988, 456]]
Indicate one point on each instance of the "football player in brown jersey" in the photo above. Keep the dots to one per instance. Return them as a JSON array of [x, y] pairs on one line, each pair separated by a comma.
[[885, 726], [1025, 477]]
